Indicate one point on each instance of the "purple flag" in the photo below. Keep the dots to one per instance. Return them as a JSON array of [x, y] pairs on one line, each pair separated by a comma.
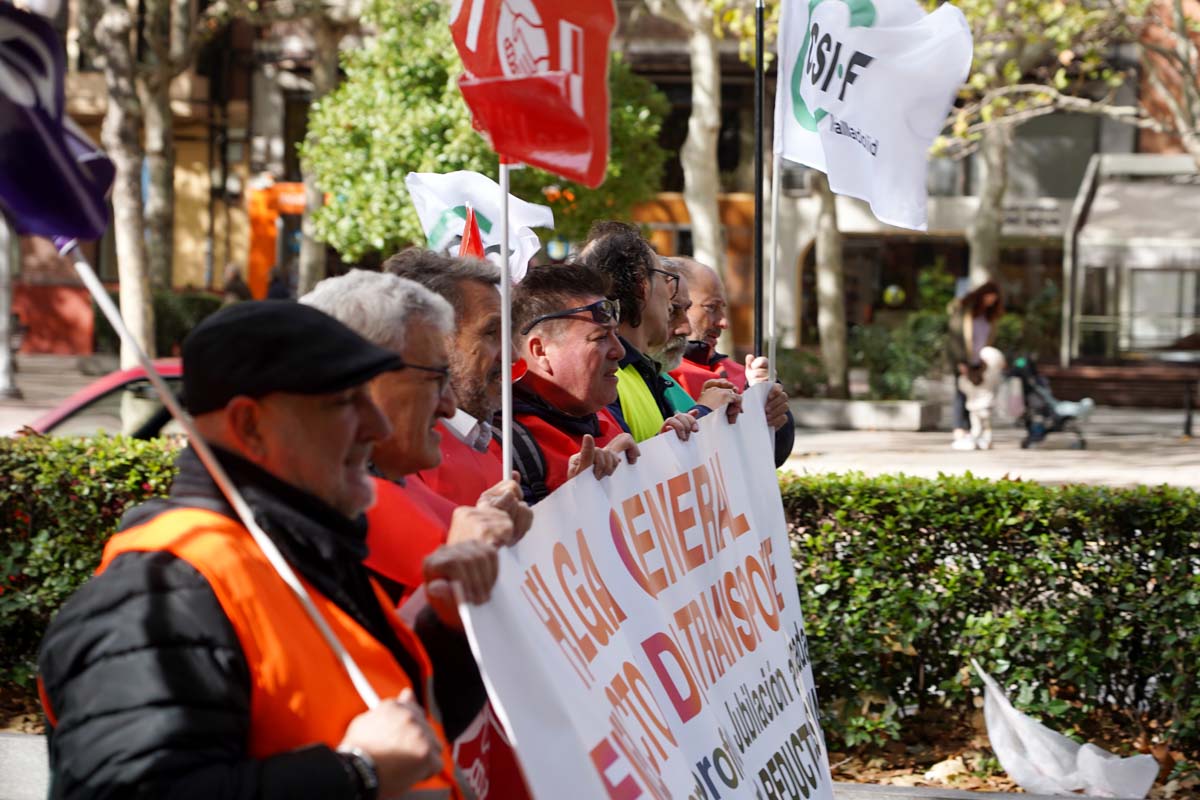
[[53, 180]]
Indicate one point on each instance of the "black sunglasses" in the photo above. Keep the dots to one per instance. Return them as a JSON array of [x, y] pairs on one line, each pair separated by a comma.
[[671, 278], [604, 312]]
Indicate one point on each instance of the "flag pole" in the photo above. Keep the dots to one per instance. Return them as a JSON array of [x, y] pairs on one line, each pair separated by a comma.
[[70, 248], [506, 343], [772, 299], [759, 12]]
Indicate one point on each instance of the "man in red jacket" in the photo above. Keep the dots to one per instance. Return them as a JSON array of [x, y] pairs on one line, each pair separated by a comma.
[[471, 461], [566, 330], [702, 363]]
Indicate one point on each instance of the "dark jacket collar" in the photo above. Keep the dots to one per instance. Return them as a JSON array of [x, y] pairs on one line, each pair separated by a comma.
[[701, 353], [526, 401]]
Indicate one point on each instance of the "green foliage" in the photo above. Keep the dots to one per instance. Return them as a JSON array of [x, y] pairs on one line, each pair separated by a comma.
[[1029, 52], [1034, 332], [175, 314], [399, 111], [895, 358], [800, 371], [935, 287], [60, 500], [1080, 600]]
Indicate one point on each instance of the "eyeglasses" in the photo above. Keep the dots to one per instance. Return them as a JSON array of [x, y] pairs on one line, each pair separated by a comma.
[[604, 312], [443, 373], [671, 279]]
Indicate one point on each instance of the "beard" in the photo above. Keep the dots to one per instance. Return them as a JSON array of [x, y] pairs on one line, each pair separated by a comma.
[[472, 392], [671, 354]]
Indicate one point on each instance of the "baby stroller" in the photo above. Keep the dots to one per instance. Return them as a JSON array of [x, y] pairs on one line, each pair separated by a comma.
[[1044, 414]]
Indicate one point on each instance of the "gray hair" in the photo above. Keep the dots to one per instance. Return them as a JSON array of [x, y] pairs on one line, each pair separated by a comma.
[[441, 273], [380, 307]]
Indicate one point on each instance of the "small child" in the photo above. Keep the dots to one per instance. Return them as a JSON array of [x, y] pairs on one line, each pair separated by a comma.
[[980, 385]]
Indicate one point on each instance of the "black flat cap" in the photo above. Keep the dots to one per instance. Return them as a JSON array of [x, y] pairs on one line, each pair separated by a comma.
[[265, 346]]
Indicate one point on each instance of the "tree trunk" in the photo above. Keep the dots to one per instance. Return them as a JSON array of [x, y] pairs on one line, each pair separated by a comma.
[[160, 197], [121, 136], [9, 253], [831, 291], [326, 38], [983, 235], [701, 180]]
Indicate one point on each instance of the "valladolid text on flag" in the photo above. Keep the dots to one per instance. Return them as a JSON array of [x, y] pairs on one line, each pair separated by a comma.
[[656, 612], [537, 80], [441, 202], [53, 181], [864, 88]]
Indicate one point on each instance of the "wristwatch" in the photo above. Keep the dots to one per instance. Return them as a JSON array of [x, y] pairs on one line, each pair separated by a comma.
[[361, 768]]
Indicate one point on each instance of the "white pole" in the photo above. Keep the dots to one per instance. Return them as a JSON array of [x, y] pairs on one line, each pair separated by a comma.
[[506, 343], [772, 330], [361, 684], [10, 255]]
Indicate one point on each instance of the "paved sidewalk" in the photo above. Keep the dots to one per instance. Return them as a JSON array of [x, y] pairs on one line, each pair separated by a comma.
[[1124, 446], [45, 381]]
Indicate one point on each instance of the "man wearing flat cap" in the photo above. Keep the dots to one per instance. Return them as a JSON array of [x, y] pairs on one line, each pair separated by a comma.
[[185, 666]]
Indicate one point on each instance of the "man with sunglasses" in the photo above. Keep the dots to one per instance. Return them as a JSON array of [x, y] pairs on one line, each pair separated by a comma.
[[645, 291], [567, 336], [702, 363]]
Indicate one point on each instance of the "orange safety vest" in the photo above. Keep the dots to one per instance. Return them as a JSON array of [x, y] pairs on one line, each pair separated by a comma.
[[300, 693], [692, 376], [465, 473]]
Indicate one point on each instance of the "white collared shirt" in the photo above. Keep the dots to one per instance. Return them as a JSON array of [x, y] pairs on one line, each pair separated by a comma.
[[468, 430]]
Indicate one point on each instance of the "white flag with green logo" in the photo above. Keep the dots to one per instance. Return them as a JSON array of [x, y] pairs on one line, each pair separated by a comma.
[[864, 88], [442, 200]]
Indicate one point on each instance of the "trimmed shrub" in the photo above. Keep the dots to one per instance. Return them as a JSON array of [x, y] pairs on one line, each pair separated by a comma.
[[1083, 601], [60, 500], [175, 314]]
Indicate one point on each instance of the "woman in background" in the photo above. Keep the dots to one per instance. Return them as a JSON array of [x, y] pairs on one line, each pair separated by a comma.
[[972, 327]]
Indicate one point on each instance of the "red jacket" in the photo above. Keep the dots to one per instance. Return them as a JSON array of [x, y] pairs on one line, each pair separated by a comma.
[[692, 375], [405, 525], [544, 439], [465, 472]]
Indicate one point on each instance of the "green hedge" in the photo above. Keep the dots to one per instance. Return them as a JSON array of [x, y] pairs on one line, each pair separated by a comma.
[[60, 500], [1084, 601], [175, 314]]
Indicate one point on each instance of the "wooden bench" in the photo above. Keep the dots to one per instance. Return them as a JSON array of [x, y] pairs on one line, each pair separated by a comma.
[[1143, 385]]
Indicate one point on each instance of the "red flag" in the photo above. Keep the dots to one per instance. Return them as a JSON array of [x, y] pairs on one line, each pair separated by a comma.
[[537, 80], [472, 239]]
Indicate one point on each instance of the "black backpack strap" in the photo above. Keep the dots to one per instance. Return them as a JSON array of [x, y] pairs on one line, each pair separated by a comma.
[[527, 458]]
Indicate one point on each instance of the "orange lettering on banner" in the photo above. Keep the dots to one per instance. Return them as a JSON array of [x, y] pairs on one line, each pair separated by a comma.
[[643, 543], [659, 647], [766, 610], [593, 623], [667, 546], [742, 607], [737, 525], [717, 623], [604, 757], [685, 520], [550, 615], [704, 504], [646, 772], [599, 589]]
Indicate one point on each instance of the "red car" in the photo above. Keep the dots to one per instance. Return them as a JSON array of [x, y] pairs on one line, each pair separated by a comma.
[[98, 407]]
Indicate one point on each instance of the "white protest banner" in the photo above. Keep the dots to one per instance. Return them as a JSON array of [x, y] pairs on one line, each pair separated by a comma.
[[441, 202], [864, 88], [645, 637]]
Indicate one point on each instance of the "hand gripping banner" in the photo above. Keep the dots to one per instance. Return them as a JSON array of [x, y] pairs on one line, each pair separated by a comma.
[[537, 80]]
